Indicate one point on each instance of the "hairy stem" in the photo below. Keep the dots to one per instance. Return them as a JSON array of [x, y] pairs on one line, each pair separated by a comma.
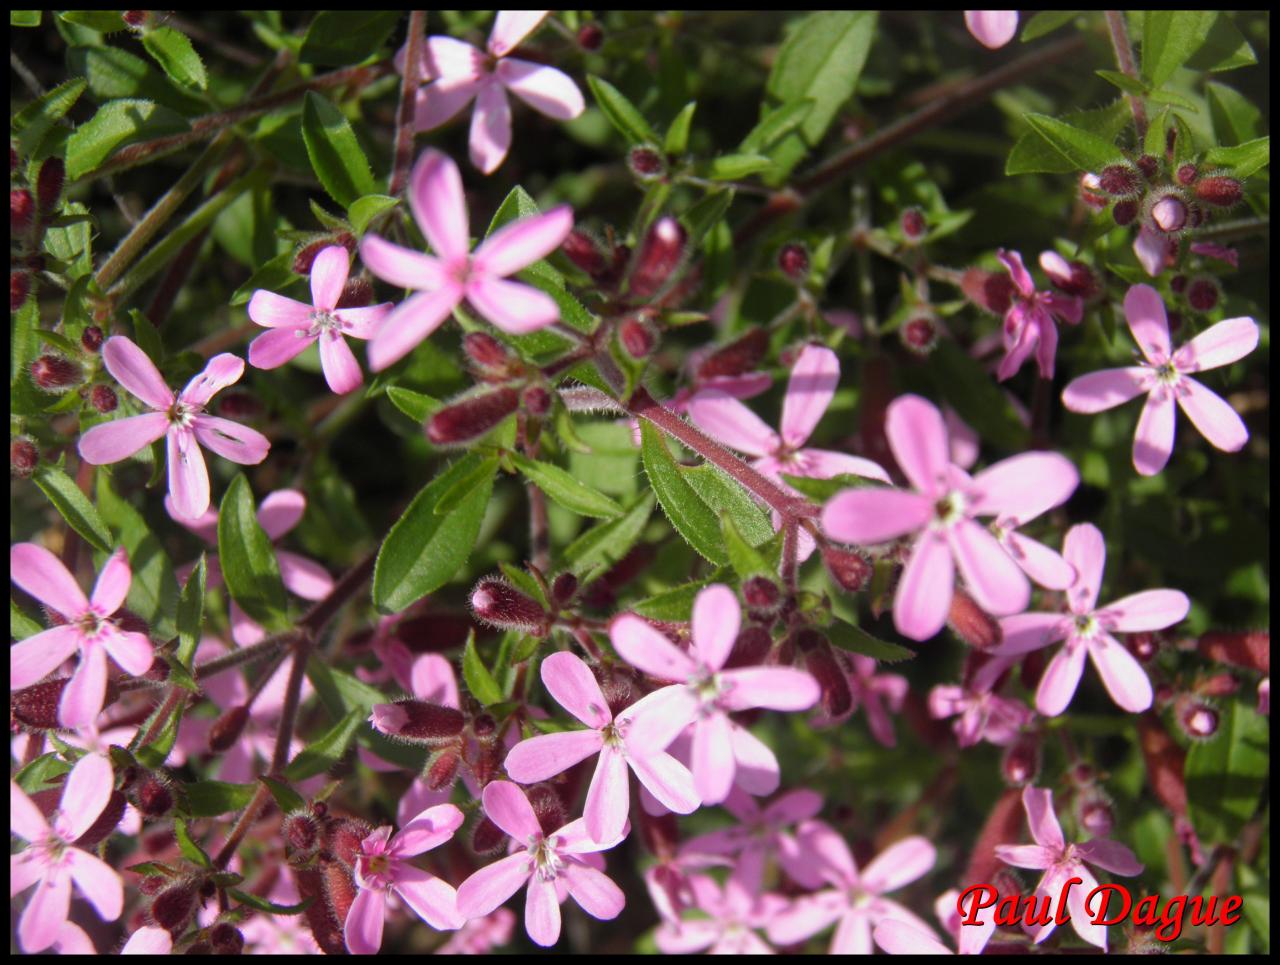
[[404, 115], [1124, 60]]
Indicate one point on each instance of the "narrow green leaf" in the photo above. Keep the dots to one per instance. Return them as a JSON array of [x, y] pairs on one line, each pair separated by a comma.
[[1032, 154], [367, 208], [1235, 118], [745, 559], [335, 153], [1169, 38], [705, 215], [622, 114], [22, 626], [24, 18], [74, 506], [247, 559], [565, 489], [103, 21], [677, 139], [33, 122], [1045, 22], [116, 124], [286, 797], [269, 907], [462, 488], [172, 50], [154, 755], [1085, 150], [856, 640], [676, 604], [1225, 776], [689, 515], [208, 799], [1126, 83], [113, 73], [599, 548], [1224, 48], [34, 776], [190, 618], [153, 591], [187, 845], [479, 681], [775, 125], [320, 755], [725, 496], [1243, 159], [341, 37], [418, 406], [731, 167], [821, 490]]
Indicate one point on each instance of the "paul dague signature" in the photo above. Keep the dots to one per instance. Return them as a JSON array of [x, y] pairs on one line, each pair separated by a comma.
[[1039, 910]]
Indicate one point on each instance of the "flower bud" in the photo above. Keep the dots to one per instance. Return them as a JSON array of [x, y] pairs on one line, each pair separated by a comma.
[[1186, 174], [53, 373], [152, 885], [618, 686], [91, 339], [1119, 180], [321, 919], [536, 400], [344, 837], [660, 255], [1250, 650], [1090, 188], [1203, 293], [990, 290], [442, 770], [302, 835], [174, 907], [563, 587], [1021, 761], [339, 889], [22, 210], [1071, 277], [1144, 646], [419, 721], [489, 358], [19, 289], [660, 833], [793, 260], [739, 356], [1197, 719], [49, 185], [761, 593], [850, 569], [1219, 685], [637, 337], [1095, 814], [1149, 165], [1178, 284], [1169, 213], [485, 729], [307, 255], [1219, 190], [919, 334], [136, 18], [471, 417], [226, 939], [647, 163], [1125, 212], [501, 605], [24, 456], [913, 224], [227, 728], [487, 838], [590, 36], [154, 797], [548, 807], [750, 648], [581, 249], [971, 623], [103, 399], [239, 405], [356, 293], [833, 683]]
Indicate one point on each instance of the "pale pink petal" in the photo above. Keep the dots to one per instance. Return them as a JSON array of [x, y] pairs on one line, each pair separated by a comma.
[[899, 864], [594, 891], [276, 311], [231, 440], [1084, 548], [1228, 341], [132, 651], [545, 89], [448, 58], [1110, 856], [363, 928], [574, 839], [1151, 248], [727, 420], [303, 577], [757, 769], [273, 349], [713, 762], [1041, 819], [686, 937], [1081, 921], [410, 323], [509, 809], [570, 681], [831, 853], [244, 630], [341, 370], [523, 242], [1153, 439], [83, 697], [1024, 486], [991, 28], [188, 475], [429, 829], [1026, 855], [439, 205], [918, 438], [221, 371], [1217, 421], [1148, 610], [26, 821], [658, 718], [923, 597], [807, 916], [874, 515], [493, 884], [363, 323], [490, 127], [812, 385], [853, 934], [113, 583], [542, 912], [111, 442], [1060, 680], [1069, 308], [280, 512], [824, 464], [777, 688], [400, 266], [1042, 564], [642, 646], [514, 307], [608, 797], [98, 882], [991, 575], [1012, 262], [1144, 310], [329, 276], [667, 780], [1123, 676], [441, 101], [545, 755], [899, 938], [716, 618], [1026, 632], [1017, 352], [148, 940], [511, 27], [433, 900], [73, 940], [133, 368], [85, 794], [432, 678], [42, 574], [45, 912]]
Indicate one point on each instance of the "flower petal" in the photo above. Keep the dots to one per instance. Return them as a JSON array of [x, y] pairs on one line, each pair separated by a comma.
[[874, 515], [521, 243], [511, 27], [363, 928], [918, 438], [110, 442], [1043, 822], [411, 322], [545, 89], [1103, 390], [303, 577], [997, 583], [26, 821], [1217, 421], [716, 618], [1081, 920], [341, 370], [728, 421], [113, 583], [509, 809], [642, 646], [1012, 260], [713, 762], [668, 780], [923, 597], [188, 475], [514, 307], [853, 934], [542, 912], [545, 755], [1144, 310], [83, 697], [231, 440], [272, 349], [1060, 680], [824, 464], [1224, 343], [442, 100], [493, 884], [276, 311], [594, 891], [329, 276], [402, 267], [807, 916], [42, 574], [45, 912], [445, 57], [1024, 486], [1122, 675], [1084, 548], [757, 769], [1153, 439], [777, 688], [133, 368], [608, 797], [570, 681], [132, 651], [439, 205], [280, 512], [221, 371], [656, 719], [899, 864], [1025, 855], [148, 940], [1039, 562], [812, 385], [896, 937], [98, 882], [363, 323], [1110, 856], [490, 137], [433, 900]]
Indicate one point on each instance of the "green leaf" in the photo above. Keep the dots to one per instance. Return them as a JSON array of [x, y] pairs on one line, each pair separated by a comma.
[[153, 591], [22, 626], [416, 405], [565, 489], [24, 18], [856, 640], [269, 907], [172, 50], [34, 776], [731, 167], [1226, 775], [341, 37], [622, 114], [33, 122], [775, 125], [689, 515], [113, 72], [190, 617], [274, 276], [599, 548], [1235, 118], [461, 490], [1083, 149], [977, 399], [1126, 83], [154, 755], [365, 209], [677, 139], [1169, 38], [208, 799], [479, 681], [724, 495], [674, 605], [1243, 159], [103, 21], [74, 506], [705, 215], [820, 490], [1223, 49], [1032, 154], [320, 755], [187, 845], [335, 153], [116, 124], [248, 562], [285, 797], [1045, 22], [423, 551], [745, 559]]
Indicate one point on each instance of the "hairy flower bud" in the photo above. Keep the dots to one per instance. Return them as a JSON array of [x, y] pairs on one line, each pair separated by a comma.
[[793, 261], [226, 939], [1178, 284], [320, 917], [659, 256], [227, 728], [563, 587], [913, 224], [739, 356], [306, 256], [848, 568], [1149, 165], [103, 399], [471, 417], [1095, 814], [618, 686], [833, 683], [581, 249], [54, 373], [750, 649], [1090, 191], [1186, 174], [1219, 190], [761, 594], [22, 210], [1197, 719], [344, 836], [136, 18], [637, 337], [1125, 212], [971, 623], [487, 838], [442, 770], [53, 173], [1250, 649], [1144, 646], [501, 605], [1021, 761], [1203, 293], [1072, 277], [24, 456], [647, 163], [91, 339], [356, 293], [1119, 180], [1168, 212], [489, 358], [919, 334], [154, 797], [302, 835], [590, 36], [548, 807], [19, 289], [419, 721], [174, 907], [990, 290]]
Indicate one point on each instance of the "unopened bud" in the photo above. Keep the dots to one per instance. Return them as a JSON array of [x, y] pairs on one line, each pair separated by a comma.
[[306, 256], [739, 356], [913, 224], [443, 769], [990, 290], [356, 293], [637, 337], [302, 835], [487, 838], [1149, 165], [19, 289], [174, 907], [850, 569], [971, 623], [536, 400], [618, 686], [502, 605], [49, 185], [1119, 180], [24, 456], [1197, 719], [489, 358], [1203, 294], [152, 885], [761, 593], [750, 649], [1144, 646], [54, 373], [919, 334], [1219, 190], [227, 728], [1090, 191], [154, 797], [103, 399], [1250, 650], [581, 249], [1187, 174], [471, 417], [418, 721], [1021, 761], [1125, 212], [91, 339], [1071, 277], [1095, 814], [226, 939], [647, 163], [833, 683], [1219, 685], [22, 210], [1178, 284], [548, 807], [136, 18], [590, 36], [36, 707], [345, 836], [1169, 213], [793, 260], [563, 587], [659, 256], [239, 405], [485, 729]]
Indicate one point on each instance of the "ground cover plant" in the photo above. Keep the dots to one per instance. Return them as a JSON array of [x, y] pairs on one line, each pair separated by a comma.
[[639, 482]]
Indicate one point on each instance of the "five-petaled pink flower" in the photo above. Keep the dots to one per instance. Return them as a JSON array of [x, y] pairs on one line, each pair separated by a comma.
[[294, 325], [1087, 628], [570, 681], [88, 629], [705, 695], [1028, 324], [555, 866], [51, 861], [1061, 861], [181, 419], [1166, 377], [443, 281], [382, 865], [942, 511], [735, 913], [992, 28], [459, 73]]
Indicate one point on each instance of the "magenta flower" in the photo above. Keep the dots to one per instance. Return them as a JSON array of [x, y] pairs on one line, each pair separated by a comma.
[[982, 715], [736, 913], [1166, 378], [1061, 861], [51, 861], [552, 865], [943, 511], [180, 419], [856, 898], [459, 73], [1028, 324], [1087, 628], [880, 695], [294, 325], [443, 281], [704, 695], [278, 513], [382, 866], [88, 629], [570, 681], [992, 28]]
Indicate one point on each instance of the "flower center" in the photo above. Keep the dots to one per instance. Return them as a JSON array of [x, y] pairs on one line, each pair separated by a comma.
[[90, 624], [546, 862], [1166, 374], [949, 510], [612, 734], [182, 414], [1086, 626], [706, 687], [460, 270], [379, 864], [321, 322]]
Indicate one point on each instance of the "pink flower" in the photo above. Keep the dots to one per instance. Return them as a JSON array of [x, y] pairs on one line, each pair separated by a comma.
[[1028, 324], [735, 914], [149, 940], [52, 862], [480, 936], [670, 882], [570, 681], [992, 28], [983, 715], [278, 934], [382, 866], [459, 73], [1154, 249], [278, 513], [856, 899], [295, 325], [943, 511], [1166, 378], [87, 630], [1087, 628], [180, 419], [443, 281], [1061, 861], [705, 695], [551, 864]]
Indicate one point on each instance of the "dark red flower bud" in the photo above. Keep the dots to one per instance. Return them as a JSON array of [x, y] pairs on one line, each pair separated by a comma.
[[1149, 165], [548, 807], [660, 833], [226, 939], [487, 838], [174, 907], [302, 833], [833, 682], [489, 358], [990, 290], [1250, 649], [647, 163], [1125, 212], [103, 399], [919, 334], [1089, 191], [1144, 646], [1203, 294], [501, 605], [660, 255], [53, 372], [1178, 284], [1021, 761], [1187, 174], [105, 823], [1119, 180], [22, 210], [49, 185], [152, 885], [485, 728], [443, 769], [419, 721], [581, 249], [590, 36], [618, 686], [24, 456], [971, 623], [913, 224], [1095, 814], [306, 256], [91, 339], [239, 405], [471, 417], [563, 588], [19, 289], [356, 293], [536, 400], [136, 18], [741, 355], [761, 593], [320, 916], [1219, 190], [339, 889], [1197, 719], [850, 569], [227, 728], [637, 337], [793, 260], [1219, 685], [154, 797], [344, 838], [750, 649]]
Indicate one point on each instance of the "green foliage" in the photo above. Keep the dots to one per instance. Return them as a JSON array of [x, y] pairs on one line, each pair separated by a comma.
[[1226, 775], [347, 36], [247, 559], [172, 50], [73, 506], [335, 153]]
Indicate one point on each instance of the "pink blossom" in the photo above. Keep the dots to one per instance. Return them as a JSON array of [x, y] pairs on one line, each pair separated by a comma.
[[736, 913], [943, 510], [880, 695], [382, 866], [278, 513], [1088, 628], [983, 715], [670, 882], [705, 695], [459, 73], [992, 28], [1154, 249], [87, 630], [452, 274], [1028, 324], [1166, 378], [51, 862], [1209, 249], [180, 419], [73, 940], [279, 934], [554, 866], [1061, 861], [856, 898], [294, 325], [480, 936], [148, 940], [570, 681], [964, 441]]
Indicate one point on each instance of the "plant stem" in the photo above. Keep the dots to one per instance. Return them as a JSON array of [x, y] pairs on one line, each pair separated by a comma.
[[1124, 60], [405, 114]]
